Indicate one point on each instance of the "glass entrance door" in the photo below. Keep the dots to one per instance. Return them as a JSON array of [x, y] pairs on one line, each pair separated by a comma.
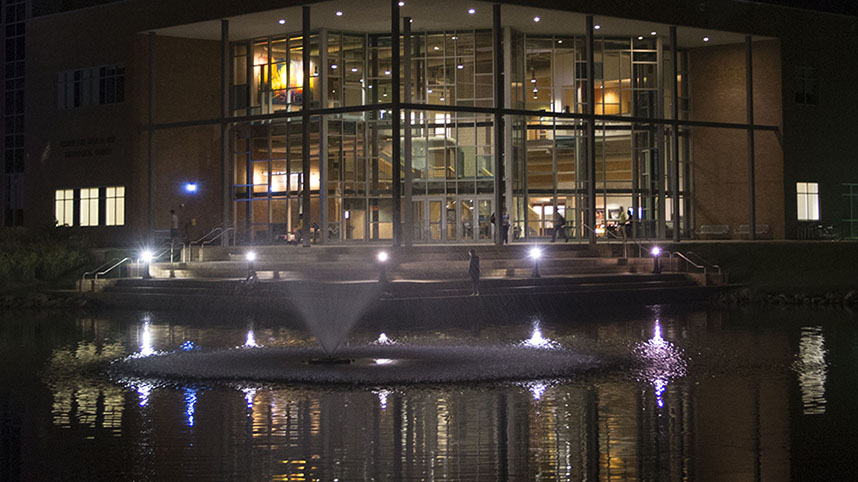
[[453, 219]]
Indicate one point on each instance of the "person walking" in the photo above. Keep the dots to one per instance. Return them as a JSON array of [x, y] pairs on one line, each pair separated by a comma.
[[174, 226], [474, 271], [622, 223], [559, 225]]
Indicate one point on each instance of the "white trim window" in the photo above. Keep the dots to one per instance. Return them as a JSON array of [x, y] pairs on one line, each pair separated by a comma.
[[64, 207], [807, 197], [89, 206], [114, 208]]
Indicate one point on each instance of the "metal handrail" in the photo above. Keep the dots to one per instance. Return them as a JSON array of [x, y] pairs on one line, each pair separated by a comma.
[[108, 270], [222, 234], [96, 270], [627, 240], [687, 261], [704, 261], [187, 254]]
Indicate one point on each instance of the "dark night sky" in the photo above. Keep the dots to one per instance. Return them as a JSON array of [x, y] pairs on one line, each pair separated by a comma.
[[847, 7]]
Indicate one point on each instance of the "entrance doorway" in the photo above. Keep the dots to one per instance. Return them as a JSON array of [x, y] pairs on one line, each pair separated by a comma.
[[453, 219]]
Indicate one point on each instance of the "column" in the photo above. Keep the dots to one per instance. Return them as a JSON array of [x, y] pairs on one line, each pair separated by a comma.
[[591, 134], [324, 71], [497, 36], [409, 175], [151, 121], [224, 128], [674, 51], [749, 88], [396, 154], [305, 124]]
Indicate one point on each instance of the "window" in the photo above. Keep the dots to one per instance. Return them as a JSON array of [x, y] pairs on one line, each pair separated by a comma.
[[91, 86], [114, 206], [807, 195], [806, 86], [89, 206], [64, 207]]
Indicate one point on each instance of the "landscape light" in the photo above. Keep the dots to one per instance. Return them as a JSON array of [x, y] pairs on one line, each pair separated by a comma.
[[146, 256], [535, 253], [656, 267], [382, 256], [190, 187], [250, 256]]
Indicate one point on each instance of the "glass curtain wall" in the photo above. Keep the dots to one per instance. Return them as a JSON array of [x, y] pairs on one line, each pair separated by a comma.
[[632, 173], [452, 153]]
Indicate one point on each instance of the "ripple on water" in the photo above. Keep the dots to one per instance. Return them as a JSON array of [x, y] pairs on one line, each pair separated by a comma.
[[371, 365]]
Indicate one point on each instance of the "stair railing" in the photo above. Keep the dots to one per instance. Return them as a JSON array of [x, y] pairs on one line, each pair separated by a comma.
[[223, 234], [692, 254], [688, 262], [189, 256], [634, 242], [100, 271], [96, 270]]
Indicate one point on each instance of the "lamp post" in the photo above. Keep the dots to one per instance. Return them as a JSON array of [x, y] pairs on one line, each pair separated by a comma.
[[146, 256], [656, 267], [250, 257], [382, 258], [535, 253]]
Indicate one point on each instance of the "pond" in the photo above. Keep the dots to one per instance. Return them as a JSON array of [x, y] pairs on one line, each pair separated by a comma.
[[755, 393]]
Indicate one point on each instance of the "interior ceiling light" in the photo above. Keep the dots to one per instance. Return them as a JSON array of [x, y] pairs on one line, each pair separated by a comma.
[[705, 39], [339, 13], [436, 48], [640, 37], [532, 76], [401, 4], [471, 11], [354, 69], [560, 41], [386, 72], [653, 32], [281, 21], [334, 66], [596, 27], [460, 66], [454, 37], [536, 19]]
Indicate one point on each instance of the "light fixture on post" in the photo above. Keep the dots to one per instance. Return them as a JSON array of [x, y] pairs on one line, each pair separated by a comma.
[[535, 253], [656, 267], [250, 257], [382, 258], [146, 257]]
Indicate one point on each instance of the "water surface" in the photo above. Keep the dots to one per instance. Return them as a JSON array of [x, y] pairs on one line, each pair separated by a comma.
[[752, 394]]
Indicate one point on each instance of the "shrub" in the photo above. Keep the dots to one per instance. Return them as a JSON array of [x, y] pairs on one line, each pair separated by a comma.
[[48, 255]]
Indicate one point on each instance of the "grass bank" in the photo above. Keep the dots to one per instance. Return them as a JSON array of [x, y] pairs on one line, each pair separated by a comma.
[[813, 267]]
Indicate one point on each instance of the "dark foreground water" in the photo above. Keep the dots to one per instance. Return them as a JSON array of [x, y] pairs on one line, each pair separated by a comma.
[[757, 394]]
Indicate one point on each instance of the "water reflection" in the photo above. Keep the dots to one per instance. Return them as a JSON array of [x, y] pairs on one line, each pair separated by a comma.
[[146, 348], [670, 423], [662, 362], [812, 370]]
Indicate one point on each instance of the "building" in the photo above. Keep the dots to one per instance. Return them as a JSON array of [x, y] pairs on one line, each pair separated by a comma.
[[275, 117]]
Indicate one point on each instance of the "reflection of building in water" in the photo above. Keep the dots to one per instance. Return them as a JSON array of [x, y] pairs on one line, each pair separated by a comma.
[[80, 401], [812, 370]]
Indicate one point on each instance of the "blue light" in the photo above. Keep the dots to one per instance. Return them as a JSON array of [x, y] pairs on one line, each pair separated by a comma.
[[191, 187], [190, 405], [188, 346]]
